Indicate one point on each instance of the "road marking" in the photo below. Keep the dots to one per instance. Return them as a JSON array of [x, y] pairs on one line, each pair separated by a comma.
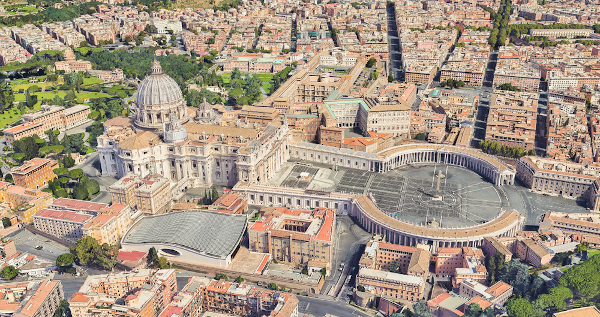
[[306, 308]]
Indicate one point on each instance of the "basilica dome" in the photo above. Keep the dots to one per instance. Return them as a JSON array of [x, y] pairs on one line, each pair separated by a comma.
[[158, 98]]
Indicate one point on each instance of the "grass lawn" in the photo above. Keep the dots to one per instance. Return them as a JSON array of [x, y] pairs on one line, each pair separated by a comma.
[[592, 252], [12, 115], [50, 95], [16, 85], [266, 87], [91, 81]]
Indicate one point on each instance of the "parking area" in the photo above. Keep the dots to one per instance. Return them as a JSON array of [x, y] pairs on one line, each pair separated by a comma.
[[26, 241]]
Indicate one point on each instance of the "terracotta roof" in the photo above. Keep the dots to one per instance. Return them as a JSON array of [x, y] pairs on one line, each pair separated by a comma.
[[141, 140], [132, 256], [419, 261], [78, 204], [22, 127], [63, 215], [32, 164], [118, 122], [99, 220], [498, 289], [480, 301], [38, 298], [396, 247], [590, 311], [326, 229]]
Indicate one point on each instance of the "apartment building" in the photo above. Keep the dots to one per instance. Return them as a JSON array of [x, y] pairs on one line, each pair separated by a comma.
[[143, 293], [521, 74], [30, 298], [110, 225], [561, 33], [189, 301], [35, 173], [453, 305], [461, 263], [496, 294], [65, 225], [393, 285], [512, 118], [7, 249], [408, 260], [467, 64], [560, 178], [48, 118], [295, 236], [230, 202], [150, 194], [584, 226], [492, 245], [241, 299], [531, 252], [26, 201]]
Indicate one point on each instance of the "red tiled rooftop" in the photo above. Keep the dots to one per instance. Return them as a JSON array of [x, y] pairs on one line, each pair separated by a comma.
[[132, 256], [78, 204], [63, 215], [38, 297], [171, 311], [439, 299], [326, 230], [498, 288], [480, 301], [32, 164], [396, 247], [99, 220], [22, 127]]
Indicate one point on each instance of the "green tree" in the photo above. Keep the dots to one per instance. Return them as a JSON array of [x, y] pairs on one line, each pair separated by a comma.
[[63, 309], [420, 310], [473, 310], [28, 146], [152, 255], [7, 96], [273, 286], [61, 171], [57, 101], [519, 307], [371, 62], [73, 143], [106, 256], [239, 279], [9, 272], [75, 174], [163, 263], [65, 259], [6, 222], [80, 192], [92, 187], [84, 250], [30, 100], [8, 178], [68, 160]]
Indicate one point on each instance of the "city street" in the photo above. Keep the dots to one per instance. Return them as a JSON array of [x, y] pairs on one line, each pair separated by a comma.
[[394, 43], [349, 246]]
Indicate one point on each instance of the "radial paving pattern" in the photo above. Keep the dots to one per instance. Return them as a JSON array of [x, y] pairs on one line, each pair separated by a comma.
[[464, 198]]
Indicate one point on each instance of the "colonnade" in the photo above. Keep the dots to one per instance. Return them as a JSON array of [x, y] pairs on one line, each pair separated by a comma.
[[419, 236]]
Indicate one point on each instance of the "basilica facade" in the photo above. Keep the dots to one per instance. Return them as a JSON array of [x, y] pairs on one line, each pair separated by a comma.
[[165, 137]]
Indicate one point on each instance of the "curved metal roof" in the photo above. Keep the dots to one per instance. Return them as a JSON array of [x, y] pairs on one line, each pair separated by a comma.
[[211, 233]]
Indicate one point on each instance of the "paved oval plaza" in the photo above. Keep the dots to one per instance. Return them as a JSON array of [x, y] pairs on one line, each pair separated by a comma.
[[408, 193]]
